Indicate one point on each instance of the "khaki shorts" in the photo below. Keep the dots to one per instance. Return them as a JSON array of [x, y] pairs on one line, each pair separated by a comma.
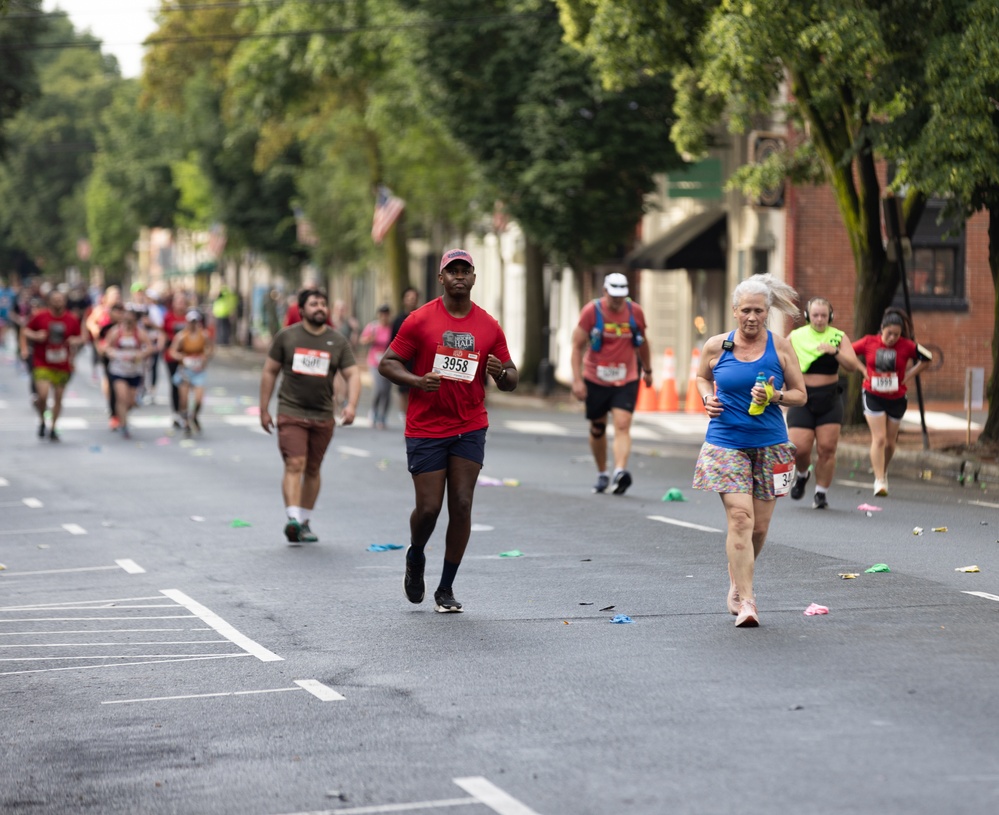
[[304, 438]]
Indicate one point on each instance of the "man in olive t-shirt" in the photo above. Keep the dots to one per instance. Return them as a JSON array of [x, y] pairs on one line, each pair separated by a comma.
[[308, 355]]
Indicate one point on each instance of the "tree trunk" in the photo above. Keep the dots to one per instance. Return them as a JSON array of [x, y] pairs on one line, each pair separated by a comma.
[[991, 430], [535, 312]]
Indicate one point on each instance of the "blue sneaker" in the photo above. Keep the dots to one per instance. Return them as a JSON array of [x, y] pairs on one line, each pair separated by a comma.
[[603, 482]]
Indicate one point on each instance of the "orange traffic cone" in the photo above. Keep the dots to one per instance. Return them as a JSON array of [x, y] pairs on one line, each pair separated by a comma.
[[646, 402], [694, 403], [669, 401]]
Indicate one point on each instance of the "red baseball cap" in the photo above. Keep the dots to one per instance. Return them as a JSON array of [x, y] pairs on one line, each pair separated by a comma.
[[451, 255]]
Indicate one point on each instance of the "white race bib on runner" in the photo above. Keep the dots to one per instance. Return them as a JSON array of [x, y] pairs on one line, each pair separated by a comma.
[[311, 363], [612, 373], [194, 363], [783, 476], [884, 383], [456, 364], [56, 356]]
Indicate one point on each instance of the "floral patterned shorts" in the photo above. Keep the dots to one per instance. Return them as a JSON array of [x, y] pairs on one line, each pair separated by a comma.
[[724, 470]]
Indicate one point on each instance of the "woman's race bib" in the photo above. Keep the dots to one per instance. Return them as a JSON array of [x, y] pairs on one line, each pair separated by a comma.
[[194, 363], [884, 383], [456, 364], [783, 476], [612, 373], [311, 363]]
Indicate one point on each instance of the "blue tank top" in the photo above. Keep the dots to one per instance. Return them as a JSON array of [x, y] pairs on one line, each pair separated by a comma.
[[735, 428]]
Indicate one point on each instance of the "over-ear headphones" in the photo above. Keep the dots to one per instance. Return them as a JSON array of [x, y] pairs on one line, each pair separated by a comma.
[[808, 308]]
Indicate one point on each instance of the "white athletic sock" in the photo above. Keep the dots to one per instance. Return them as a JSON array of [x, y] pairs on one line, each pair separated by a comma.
[[304, 514], [819, 489], [294, 513], [618, 470]]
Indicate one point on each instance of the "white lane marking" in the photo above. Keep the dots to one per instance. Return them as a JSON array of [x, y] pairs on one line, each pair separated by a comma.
[[428, 806], [319, 690], [119, 644], [864, 484], [664, 520], [84, 608], [37, 531], [100, 656], [986, 595], [353, 451], [197, 696], [150, 422], [58, 571], [73, 423], [97, 631], [984, 504], [4, 482], [32, 503], [73, 619], [130, 566], [492, 796], [123, 664], [112, 603], [75, 402], [74, 529], [242, 421], [209, 617], [482, 528], [537, 428]]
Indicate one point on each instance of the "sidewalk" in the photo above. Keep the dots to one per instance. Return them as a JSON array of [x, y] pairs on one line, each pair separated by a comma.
[[946, 461]]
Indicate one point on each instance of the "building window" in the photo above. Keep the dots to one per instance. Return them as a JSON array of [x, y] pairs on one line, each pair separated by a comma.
[[935, 271], [761, 261]]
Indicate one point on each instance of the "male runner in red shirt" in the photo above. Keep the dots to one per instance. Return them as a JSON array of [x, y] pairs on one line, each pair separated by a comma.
[[57, 336], [451, 345]]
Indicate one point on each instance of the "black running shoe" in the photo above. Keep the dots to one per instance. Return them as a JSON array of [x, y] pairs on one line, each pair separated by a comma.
[[41, 430], [293, 531], [413, 583], [53, 436], [621, 482], [306, 535], [820, 502], [445, 603], [603, 482], [798, 488]]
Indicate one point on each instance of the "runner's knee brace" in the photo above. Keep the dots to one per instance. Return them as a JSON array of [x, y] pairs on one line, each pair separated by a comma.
[[598, 429]]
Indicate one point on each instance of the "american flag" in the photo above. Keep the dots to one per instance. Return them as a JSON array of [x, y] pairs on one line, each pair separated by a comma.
[[216, 240], [388, 208]]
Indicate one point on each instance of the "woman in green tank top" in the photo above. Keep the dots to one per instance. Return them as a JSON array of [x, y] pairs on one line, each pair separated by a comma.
[[822, 350]]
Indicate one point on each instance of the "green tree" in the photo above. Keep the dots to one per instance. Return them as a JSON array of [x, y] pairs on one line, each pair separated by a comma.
[[570, 160], [132, 184], [51, 143], [957, 153], [345, 93], [856, 81]]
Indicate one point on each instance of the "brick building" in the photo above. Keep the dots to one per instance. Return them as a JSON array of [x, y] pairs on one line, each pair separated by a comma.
[[950, 283]]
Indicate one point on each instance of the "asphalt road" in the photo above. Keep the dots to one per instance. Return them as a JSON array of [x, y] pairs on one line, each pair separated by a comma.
[[162, 649]]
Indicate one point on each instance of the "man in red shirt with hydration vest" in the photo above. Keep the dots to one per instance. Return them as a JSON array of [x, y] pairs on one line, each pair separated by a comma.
[[451, 346], [609, 354]]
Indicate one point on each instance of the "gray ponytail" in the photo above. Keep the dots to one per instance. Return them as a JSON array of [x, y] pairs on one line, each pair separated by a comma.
[[778, 294]]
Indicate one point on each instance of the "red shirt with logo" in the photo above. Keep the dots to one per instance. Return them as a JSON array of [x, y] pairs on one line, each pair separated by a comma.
[[616, 363], [55, 352], [458, 348], [886, 366]]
